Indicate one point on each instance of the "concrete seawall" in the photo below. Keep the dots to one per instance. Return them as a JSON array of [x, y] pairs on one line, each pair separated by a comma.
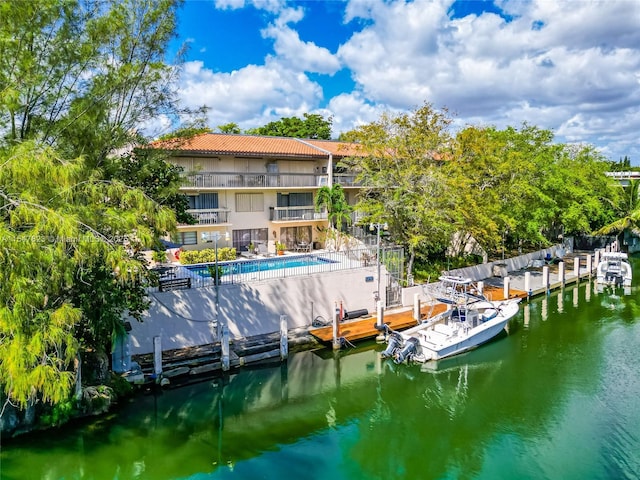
[[185, 320]]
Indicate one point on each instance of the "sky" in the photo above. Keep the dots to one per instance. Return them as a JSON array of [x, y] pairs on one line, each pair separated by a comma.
[[572, 67]]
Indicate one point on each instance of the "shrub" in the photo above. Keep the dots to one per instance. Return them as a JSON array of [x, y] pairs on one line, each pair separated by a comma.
[[207, 255]]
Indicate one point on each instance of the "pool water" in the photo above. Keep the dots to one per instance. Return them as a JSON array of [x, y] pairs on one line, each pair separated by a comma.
[[261, 265]]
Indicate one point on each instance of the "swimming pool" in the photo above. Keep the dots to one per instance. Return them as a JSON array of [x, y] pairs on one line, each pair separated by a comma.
[[239, 267]]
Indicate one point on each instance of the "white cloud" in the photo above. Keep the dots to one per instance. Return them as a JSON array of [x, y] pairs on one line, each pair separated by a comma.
[[293, 52], [571, 67], [350, 111], [229, 4], [251, 96]]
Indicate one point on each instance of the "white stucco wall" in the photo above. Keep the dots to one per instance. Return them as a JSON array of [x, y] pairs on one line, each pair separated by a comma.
[[186, 317]]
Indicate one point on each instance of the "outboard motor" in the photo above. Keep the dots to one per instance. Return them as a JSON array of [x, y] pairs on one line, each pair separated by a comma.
[[394, 344], [408, 351]]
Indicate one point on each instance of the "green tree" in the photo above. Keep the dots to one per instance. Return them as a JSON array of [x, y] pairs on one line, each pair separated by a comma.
[[403, 184], [518, 186], [333, 200], [59, 228], [627, 215], [311, 126], [84, 76], [229, 128], [80, 77]]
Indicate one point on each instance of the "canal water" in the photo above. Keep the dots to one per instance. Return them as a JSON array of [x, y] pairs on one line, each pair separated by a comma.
[[556, 397]]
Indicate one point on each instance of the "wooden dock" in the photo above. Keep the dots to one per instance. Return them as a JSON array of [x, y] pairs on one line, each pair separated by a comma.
[[365, 328], [495, 293]]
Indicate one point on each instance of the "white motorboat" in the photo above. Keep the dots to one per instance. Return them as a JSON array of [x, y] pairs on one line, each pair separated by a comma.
[[614, 269], [469, 321]]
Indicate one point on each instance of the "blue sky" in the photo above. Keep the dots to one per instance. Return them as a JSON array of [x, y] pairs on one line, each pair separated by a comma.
[[569, 66]]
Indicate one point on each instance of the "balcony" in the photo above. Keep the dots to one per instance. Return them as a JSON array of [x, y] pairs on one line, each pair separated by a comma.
[[264, 180], [251, 180], [210, 216], [346, 180], [283, 214]]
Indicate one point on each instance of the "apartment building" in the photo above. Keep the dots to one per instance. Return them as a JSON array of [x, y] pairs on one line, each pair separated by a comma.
[[246, 189]]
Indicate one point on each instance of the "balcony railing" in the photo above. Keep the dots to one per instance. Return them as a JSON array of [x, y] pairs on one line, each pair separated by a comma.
[[263, 180], [210, 216], [251, 180], [295, 213], [346, 180]]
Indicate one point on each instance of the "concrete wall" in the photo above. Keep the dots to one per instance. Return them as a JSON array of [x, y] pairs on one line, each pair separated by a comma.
[[485, 270], [186, 318]]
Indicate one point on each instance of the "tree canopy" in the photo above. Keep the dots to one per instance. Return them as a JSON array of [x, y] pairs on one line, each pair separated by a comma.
[[77, 79], [83, 76], [491, 186], [312, 126]]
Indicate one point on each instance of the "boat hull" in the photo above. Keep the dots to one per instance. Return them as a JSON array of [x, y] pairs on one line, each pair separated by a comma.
[[447, 335], [473, 341], [614, 270]]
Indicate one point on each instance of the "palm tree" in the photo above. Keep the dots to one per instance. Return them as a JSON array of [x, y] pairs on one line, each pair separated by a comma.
[[631, 213], [334, 201]]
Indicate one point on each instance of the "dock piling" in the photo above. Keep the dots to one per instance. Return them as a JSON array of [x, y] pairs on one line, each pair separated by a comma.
[[157, 356], [545, 278], [380, 319], [284, 341], [225, 348], [336, 328]]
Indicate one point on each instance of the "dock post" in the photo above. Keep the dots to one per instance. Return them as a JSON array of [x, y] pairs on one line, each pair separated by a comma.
[[157, 357], [545, 278], [589, 265], [596, 256], [561, 273], [416, 308], [284, 341], [480, 287], [336, 328], [576, 267], [506, 292], [527, 283], [225, 348], [560, 299], [380, 321]]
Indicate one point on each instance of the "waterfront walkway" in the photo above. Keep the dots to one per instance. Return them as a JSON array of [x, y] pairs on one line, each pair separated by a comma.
[[541, 279]]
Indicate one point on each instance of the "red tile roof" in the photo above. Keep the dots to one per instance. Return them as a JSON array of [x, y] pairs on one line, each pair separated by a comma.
[[253, 145]]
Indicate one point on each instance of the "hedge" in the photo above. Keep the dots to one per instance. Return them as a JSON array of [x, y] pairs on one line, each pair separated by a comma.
[[207, 255]]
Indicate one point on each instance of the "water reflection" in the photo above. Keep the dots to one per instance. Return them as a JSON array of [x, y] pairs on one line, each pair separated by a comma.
[[523, 406]]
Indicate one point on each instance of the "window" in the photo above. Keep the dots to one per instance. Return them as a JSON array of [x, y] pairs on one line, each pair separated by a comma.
[[186, 238], [249, 202], [242, 238], [204, 201], [304, 199], [292, 235]]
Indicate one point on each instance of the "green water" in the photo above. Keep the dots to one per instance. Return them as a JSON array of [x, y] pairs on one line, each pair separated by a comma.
[[558, 397]]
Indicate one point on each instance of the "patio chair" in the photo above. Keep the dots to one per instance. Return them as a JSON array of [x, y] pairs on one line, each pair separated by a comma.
[[263, 250], [303, 247]]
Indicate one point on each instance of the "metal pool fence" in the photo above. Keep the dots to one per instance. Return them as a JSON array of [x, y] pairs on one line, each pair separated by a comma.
[[246, 270]]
